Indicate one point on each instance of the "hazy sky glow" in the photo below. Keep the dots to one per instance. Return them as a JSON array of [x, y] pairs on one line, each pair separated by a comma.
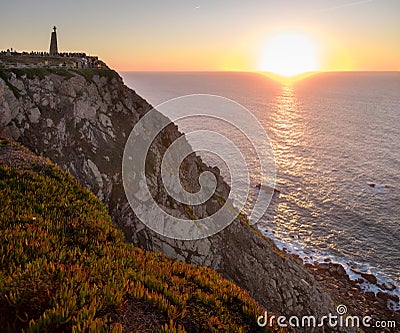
[[200, 35]]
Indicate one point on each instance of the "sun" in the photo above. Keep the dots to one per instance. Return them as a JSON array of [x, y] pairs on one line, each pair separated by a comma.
[[289, 54]]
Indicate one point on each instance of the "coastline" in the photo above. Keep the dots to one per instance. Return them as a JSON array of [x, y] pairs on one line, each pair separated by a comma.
[[359, 291], [368, 257], [343, 290]]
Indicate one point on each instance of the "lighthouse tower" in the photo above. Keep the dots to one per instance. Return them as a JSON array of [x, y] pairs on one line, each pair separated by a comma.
[[53, 43]]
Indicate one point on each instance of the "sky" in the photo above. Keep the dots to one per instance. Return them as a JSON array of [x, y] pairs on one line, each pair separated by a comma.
[[208, 35]]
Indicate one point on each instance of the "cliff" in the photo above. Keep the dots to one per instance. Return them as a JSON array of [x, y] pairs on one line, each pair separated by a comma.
[[81, 120], [65, 268]]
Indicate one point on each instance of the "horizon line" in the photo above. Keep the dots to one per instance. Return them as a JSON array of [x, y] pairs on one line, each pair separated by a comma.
[[259, 71]]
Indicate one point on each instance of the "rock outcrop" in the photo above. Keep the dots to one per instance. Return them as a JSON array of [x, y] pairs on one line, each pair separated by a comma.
[[81, 121]]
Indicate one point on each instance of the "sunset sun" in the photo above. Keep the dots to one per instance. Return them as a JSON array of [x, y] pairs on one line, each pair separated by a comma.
[[289, 54]]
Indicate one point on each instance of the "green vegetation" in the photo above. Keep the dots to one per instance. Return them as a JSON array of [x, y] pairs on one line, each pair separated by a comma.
[[89, 73], [30, 73], [65, 268], [41, 73]]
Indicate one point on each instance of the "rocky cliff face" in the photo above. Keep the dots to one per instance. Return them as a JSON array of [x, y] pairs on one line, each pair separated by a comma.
[[81, 121]]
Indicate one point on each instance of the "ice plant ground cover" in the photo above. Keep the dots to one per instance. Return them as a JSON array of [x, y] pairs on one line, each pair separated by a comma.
[[66, 268]]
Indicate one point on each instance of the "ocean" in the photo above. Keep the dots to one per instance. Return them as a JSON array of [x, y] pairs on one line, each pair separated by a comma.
[[336, 142]]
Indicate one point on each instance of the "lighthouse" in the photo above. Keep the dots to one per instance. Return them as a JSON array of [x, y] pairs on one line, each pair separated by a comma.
[[53, 43]]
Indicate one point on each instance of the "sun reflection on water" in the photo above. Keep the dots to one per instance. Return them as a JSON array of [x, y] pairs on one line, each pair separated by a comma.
[[290, 134], [286, 117]]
